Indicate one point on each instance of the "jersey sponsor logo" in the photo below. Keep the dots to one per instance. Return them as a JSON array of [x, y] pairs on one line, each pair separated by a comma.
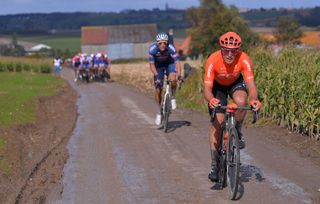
[[247, 65], [209, 70], [208, 82], [228, 76]]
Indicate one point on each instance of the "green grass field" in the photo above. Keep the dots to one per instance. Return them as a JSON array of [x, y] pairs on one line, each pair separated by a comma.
[[18, 94], [73, 43], [18, 103]]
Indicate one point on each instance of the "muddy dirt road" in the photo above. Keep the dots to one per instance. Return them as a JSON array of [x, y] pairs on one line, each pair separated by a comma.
[[117, 155]]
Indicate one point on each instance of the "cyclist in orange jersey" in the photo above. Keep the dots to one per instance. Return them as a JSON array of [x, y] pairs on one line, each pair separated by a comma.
[[228, 72]]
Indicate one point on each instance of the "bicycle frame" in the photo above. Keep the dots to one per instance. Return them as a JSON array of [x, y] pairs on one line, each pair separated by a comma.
[[229, 151], [166, 104]]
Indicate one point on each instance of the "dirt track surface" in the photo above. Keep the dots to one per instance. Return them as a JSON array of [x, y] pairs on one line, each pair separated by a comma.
[[117, 155], [37, 151]]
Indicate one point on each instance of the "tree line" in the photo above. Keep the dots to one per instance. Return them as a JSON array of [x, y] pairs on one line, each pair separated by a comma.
[[40, 23]]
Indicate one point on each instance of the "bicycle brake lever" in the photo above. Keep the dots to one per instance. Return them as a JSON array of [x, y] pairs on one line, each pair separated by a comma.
[[255, 116]]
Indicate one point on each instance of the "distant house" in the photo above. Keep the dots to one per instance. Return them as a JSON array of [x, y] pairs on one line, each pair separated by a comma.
[[39, 47], [119, 42]]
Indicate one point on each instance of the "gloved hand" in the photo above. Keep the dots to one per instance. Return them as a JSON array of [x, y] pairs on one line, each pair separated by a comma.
[[157, 80], [180, 79], [255, 104], [214, 102]]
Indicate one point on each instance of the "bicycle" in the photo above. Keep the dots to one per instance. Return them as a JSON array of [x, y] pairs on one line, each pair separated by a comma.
[[229, 152], [82, 76], [166, 104]]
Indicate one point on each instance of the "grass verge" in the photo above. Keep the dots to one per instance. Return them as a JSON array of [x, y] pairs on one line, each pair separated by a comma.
[[19, 93], [5, 166], [18, 104]]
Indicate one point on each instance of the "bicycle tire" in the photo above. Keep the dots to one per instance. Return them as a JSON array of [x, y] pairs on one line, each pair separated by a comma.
[[166, 113], [233, 163], [222, 176], [78, 79]]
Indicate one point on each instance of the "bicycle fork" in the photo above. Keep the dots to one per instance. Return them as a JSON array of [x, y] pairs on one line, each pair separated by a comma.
[[167, 94]]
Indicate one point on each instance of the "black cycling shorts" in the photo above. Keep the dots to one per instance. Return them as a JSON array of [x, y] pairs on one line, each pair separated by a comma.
[[221, 92]]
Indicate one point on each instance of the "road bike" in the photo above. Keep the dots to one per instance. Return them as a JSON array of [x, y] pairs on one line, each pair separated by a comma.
[[166, 104], [229, 151], [82, 76]]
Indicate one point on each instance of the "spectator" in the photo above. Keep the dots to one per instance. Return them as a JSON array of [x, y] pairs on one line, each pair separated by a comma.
[[57, 62]]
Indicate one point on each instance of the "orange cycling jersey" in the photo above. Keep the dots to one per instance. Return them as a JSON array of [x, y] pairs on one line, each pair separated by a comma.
[[217, 70]]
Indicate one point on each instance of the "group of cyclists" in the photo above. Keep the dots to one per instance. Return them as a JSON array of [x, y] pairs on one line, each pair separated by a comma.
[[91, 66], [228, 72]]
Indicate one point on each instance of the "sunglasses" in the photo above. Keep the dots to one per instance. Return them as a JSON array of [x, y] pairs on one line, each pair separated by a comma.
[[227, 50], [160, 43]]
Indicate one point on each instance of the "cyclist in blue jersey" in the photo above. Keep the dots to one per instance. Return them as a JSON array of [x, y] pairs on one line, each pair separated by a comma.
[[164, 58]]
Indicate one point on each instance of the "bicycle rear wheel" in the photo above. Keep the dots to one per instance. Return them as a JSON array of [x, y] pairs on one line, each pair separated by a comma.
[[233, 163], [166, 113]]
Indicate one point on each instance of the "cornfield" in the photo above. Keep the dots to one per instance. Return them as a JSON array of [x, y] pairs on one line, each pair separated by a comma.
[[13, 64], [289, 86]]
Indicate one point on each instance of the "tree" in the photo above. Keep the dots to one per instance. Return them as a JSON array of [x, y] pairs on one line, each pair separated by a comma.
[[287, 30], [14, 40], [13, 48], [210, 21], [16, 49]]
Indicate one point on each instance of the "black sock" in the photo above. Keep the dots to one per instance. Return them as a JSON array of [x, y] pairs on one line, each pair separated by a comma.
[[239, 127], [214, 156]]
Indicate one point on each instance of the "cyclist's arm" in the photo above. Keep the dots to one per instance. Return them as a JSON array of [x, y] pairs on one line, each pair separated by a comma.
[[249, 78], [152, 60], [207, 90], [252, 89], [153, 68], [175, 57], [178, 67], [208, 80]]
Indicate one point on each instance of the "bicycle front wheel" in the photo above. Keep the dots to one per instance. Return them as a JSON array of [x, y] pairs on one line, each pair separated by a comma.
[[166, 113], [233, 163]]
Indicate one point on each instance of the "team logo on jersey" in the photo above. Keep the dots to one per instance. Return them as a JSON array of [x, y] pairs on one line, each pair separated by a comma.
[[247, 65], [209, 70]]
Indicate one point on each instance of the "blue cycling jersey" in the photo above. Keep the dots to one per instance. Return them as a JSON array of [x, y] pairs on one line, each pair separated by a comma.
[[95, 60], [164, 58]]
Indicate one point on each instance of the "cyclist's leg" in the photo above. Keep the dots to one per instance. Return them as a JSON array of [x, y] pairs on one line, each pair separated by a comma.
[[108, 69], [157, 93], [238, 92], [215, 128], [239, 95], [219, 92], [171, 69], [158, 86], [100, 70], [95, 69]]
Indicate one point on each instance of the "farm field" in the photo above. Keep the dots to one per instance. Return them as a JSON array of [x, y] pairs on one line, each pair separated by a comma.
[[72, 43]]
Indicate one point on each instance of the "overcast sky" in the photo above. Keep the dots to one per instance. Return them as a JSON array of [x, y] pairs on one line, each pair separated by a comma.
[[47, 6]]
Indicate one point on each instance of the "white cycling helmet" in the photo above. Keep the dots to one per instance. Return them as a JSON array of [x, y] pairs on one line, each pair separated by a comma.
[[162, 37]]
